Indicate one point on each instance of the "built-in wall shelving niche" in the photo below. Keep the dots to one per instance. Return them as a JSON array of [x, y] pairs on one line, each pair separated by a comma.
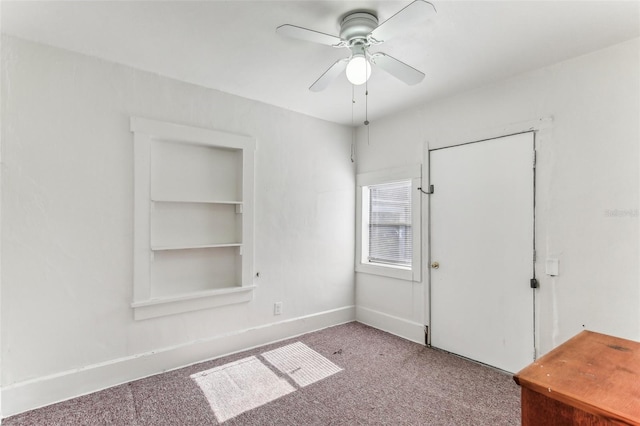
[[193, 218]]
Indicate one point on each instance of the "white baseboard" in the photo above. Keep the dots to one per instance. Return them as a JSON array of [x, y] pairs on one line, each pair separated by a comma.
[[399, 326], [42, 391]]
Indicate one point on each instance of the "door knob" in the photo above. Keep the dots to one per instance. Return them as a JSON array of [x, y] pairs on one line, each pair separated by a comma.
[[435, 265]]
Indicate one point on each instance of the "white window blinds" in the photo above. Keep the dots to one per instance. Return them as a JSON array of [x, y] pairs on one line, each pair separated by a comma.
[[390, 235]]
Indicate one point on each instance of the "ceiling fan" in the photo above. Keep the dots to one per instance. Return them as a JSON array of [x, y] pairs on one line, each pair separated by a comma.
[[359, 30]]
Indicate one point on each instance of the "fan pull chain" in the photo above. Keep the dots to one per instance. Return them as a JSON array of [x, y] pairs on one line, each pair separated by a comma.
[[353, 103], [366, 107], [366, 111], [353, 129]]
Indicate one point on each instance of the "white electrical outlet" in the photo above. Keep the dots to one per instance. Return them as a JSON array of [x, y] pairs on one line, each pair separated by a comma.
[[277, 308]]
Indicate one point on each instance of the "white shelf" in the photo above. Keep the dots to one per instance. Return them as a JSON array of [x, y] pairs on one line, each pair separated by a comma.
[[159, 200], [191, 247], [161, 306]]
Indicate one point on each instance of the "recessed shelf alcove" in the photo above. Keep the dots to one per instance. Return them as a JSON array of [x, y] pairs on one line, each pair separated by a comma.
[[193, 218]]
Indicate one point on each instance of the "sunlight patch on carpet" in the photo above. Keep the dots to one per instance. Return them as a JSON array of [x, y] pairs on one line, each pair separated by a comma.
[[239, 386], [301, 363]]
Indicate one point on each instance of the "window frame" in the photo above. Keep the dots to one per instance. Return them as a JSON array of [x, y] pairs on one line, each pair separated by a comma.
[[364, 180]]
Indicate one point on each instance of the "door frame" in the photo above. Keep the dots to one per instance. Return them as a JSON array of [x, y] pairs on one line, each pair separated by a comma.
[[541, 128]]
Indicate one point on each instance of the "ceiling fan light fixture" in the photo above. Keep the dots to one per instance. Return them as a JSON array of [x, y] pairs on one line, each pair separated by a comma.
[[360, 30], [358, 70]]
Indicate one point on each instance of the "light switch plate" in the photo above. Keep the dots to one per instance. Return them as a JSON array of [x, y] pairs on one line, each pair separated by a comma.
[[551, 266]]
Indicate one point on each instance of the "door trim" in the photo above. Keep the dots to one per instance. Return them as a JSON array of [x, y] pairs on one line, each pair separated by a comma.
[[541, 124]]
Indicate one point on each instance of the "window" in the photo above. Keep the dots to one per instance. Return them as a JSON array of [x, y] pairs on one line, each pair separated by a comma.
[[389, 223], [389, 215]]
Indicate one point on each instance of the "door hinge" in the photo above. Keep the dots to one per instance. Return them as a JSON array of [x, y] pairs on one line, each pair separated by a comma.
[[429, 191], [534, 255], [534, 158], [534, 283]]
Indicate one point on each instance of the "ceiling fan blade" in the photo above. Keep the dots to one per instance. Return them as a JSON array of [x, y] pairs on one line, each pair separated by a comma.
[[309, 35], [405, 18], [329, 75], [398, 69]]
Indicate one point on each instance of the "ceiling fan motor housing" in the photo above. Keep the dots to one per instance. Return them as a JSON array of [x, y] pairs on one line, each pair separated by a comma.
[[356, 26]]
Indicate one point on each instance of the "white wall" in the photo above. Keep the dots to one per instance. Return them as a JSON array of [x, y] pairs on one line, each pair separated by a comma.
[[588, 162], [67, 225]]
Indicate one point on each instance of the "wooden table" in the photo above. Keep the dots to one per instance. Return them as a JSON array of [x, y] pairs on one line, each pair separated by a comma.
[[592, 379]]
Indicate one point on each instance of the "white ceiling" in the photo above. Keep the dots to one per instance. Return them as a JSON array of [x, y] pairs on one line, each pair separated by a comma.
[[232, 46]]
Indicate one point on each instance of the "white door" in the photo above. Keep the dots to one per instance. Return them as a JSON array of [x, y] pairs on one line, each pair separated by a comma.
[[481, 233]]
